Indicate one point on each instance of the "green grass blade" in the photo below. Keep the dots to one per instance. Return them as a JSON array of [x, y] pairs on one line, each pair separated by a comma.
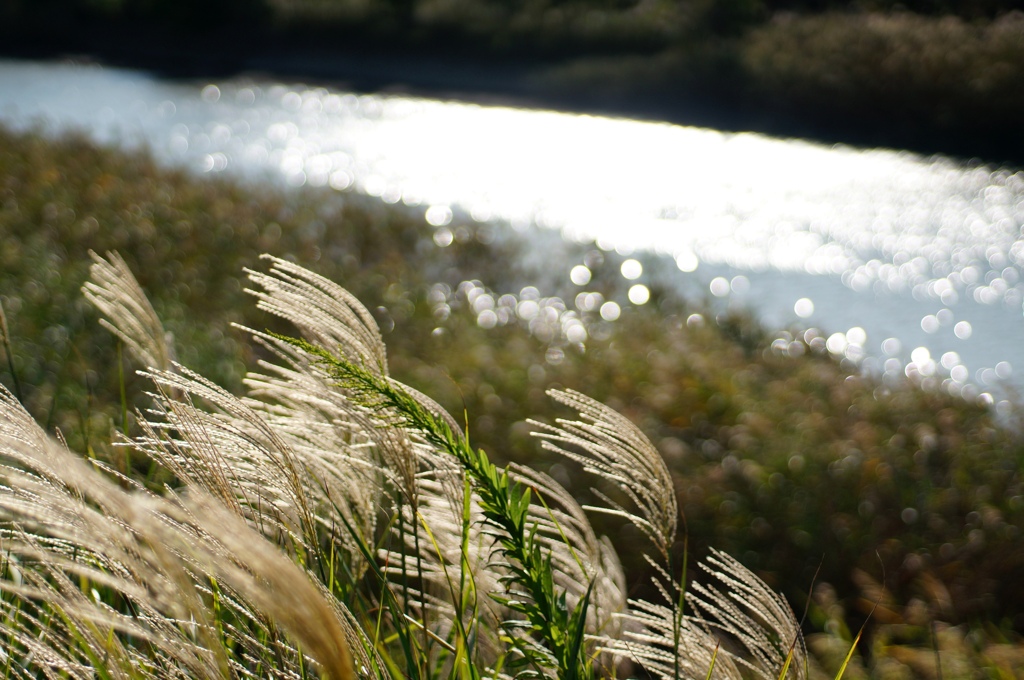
[[860, 633], [714, 659], [785, 666], [849, 654]]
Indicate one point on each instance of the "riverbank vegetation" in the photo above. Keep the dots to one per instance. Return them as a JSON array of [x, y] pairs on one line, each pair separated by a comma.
[[928, 76], [782, 456]]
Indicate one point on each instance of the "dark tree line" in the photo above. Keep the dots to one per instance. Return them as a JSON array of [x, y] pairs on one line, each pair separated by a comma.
[[180, 14]]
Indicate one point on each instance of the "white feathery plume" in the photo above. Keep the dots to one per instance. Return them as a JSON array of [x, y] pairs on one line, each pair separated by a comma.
[[761, 630], [753, 614], [269, 462], [299, 395], [658, 636], [650, 638], [65, 528], [327, 314], [291, 469], [616, 450], [338, 453], [296, 453], [234, 454], [114, 291]]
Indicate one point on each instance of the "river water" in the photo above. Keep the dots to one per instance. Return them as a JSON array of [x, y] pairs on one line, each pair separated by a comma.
[[908, 264]]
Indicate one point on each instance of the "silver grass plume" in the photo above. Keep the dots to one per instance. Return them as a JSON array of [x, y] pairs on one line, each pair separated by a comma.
[[68, 531], [329, 316], [652, 639], [616, 450], [431, 482], [660, 637], [743, 630], [749, 611], [284, 469], [114, 291], [298, 390], [296, 398], [233, 453]]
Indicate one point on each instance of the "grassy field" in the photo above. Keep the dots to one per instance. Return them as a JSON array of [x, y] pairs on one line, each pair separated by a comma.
[[789, 460]]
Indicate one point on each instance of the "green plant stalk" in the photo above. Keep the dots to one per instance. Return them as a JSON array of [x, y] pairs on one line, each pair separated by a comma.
[[466, 577], [860, 633], [100, 666], [849, 654], [786, 665], [11, 614], [463, 647], [388, 602], [424, 609], [414, 664], [714, 659], [505, 505]]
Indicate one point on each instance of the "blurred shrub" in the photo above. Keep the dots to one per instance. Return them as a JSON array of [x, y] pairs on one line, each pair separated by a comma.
[[970, 9], [902, 70]]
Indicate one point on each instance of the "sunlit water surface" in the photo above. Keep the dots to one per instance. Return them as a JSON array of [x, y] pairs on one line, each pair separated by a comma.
[[912, 264]]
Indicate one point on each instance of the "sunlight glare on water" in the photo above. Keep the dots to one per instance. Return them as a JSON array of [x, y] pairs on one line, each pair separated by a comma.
[[926, 251]]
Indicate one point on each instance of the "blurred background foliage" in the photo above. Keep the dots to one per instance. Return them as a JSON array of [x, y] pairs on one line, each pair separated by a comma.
[[788, 459]]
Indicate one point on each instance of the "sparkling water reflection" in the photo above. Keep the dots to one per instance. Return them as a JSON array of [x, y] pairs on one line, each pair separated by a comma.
[[920, 259]]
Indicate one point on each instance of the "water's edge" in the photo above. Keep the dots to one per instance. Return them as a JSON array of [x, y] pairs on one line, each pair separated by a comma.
[[355, 63]]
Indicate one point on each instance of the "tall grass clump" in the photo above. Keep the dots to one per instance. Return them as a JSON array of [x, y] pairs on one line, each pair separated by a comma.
[[779, 453], [334, 522]]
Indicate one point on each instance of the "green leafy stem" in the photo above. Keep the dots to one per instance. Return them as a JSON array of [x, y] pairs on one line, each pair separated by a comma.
[[505, 507]]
